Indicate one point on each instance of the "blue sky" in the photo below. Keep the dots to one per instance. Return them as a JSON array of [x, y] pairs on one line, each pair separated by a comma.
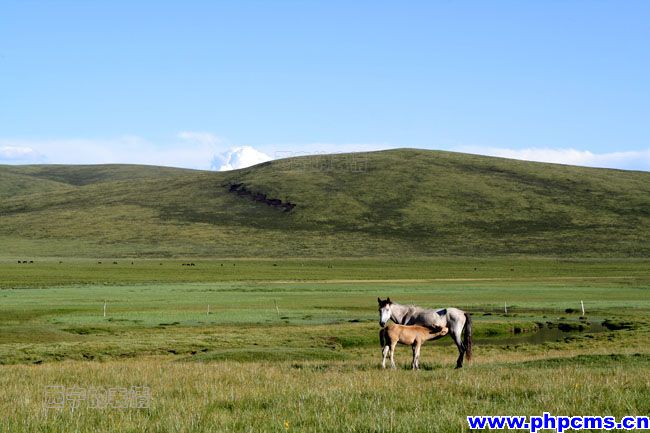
[[222, 84]]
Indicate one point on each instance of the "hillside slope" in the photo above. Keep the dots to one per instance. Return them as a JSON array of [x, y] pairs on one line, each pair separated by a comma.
[[397, 202]]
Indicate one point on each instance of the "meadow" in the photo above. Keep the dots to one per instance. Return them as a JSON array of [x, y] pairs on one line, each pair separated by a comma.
[[396, 203], [291, 344]]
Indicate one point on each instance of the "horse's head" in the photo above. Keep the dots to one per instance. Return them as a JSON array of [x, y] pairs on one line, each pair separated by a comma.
[[384, 311]]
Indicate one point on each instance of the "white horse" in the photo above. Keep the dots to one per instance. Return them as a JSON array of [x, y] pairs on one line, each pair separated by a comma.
[[457, 321]]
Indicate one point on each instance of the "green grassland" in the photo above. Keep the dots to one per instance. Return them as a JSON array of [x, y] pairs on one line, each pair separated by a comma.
[[295, 341], [242, 317], [65, 271], [391, 203]]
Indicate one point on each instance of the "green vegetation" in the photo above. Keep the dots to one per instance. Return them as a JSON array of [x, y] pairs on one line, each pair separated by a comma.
[[332, 396], [404, 203], [315, 317], [230, 339], [304, 349], [66, 271]]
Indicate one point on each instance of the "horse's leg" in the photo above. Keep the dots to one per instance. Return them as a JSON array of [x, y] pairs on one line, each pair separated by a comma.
[[384, 353], [416, 355], [392, 354], [414, 362], [456, 334]]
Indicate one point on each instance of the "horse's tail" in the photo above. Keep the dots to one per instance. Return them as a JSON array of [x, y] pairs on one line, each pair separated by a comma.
[[467, 337], [382, 337]]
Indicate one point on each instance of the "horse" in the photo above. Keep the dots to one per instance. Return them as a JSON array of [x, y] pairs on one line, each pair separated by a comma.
[[413, 335], [457, 321]]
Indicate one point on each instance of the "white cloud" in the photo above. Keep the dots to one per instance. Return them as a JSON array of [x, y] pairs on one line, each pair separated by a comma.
[[120, 150], [628, 160], [205, 151], [239, 157], [189, 149], [199, 137], [17, 154]]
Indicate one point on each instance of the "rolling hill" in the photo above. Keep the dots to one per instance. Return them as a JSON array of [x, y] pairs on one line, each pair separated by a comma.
[[399, 202]]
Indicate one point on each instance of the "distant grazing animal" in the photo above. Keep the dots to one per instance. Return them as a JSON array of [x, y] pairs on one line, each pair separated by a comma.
[[458, 322], [413, 335]]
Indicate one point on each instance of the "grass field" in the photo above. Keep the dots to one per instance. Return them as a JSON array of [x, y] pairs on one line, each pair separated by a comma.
[[291, 345], [396, 203]]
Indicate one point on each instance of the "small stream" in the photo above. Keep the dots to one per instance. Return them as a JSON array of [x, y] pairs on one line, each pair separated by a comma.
[[542, 335]]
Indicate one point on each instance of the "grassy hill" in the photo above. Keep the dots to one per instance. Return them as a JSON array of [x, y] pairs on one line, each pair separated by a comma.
[[399, 202]]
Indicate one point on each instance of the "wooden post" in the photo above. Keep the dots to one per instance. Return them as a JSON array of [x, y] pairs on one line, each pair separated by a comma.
[[582, 305], [505, 308], [208, 309], [277, 310], [104, 308]]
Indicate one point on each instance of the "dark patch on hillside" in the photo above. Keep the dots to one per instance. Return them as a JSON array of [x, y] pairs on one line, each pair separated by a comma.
[[241, 190]]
